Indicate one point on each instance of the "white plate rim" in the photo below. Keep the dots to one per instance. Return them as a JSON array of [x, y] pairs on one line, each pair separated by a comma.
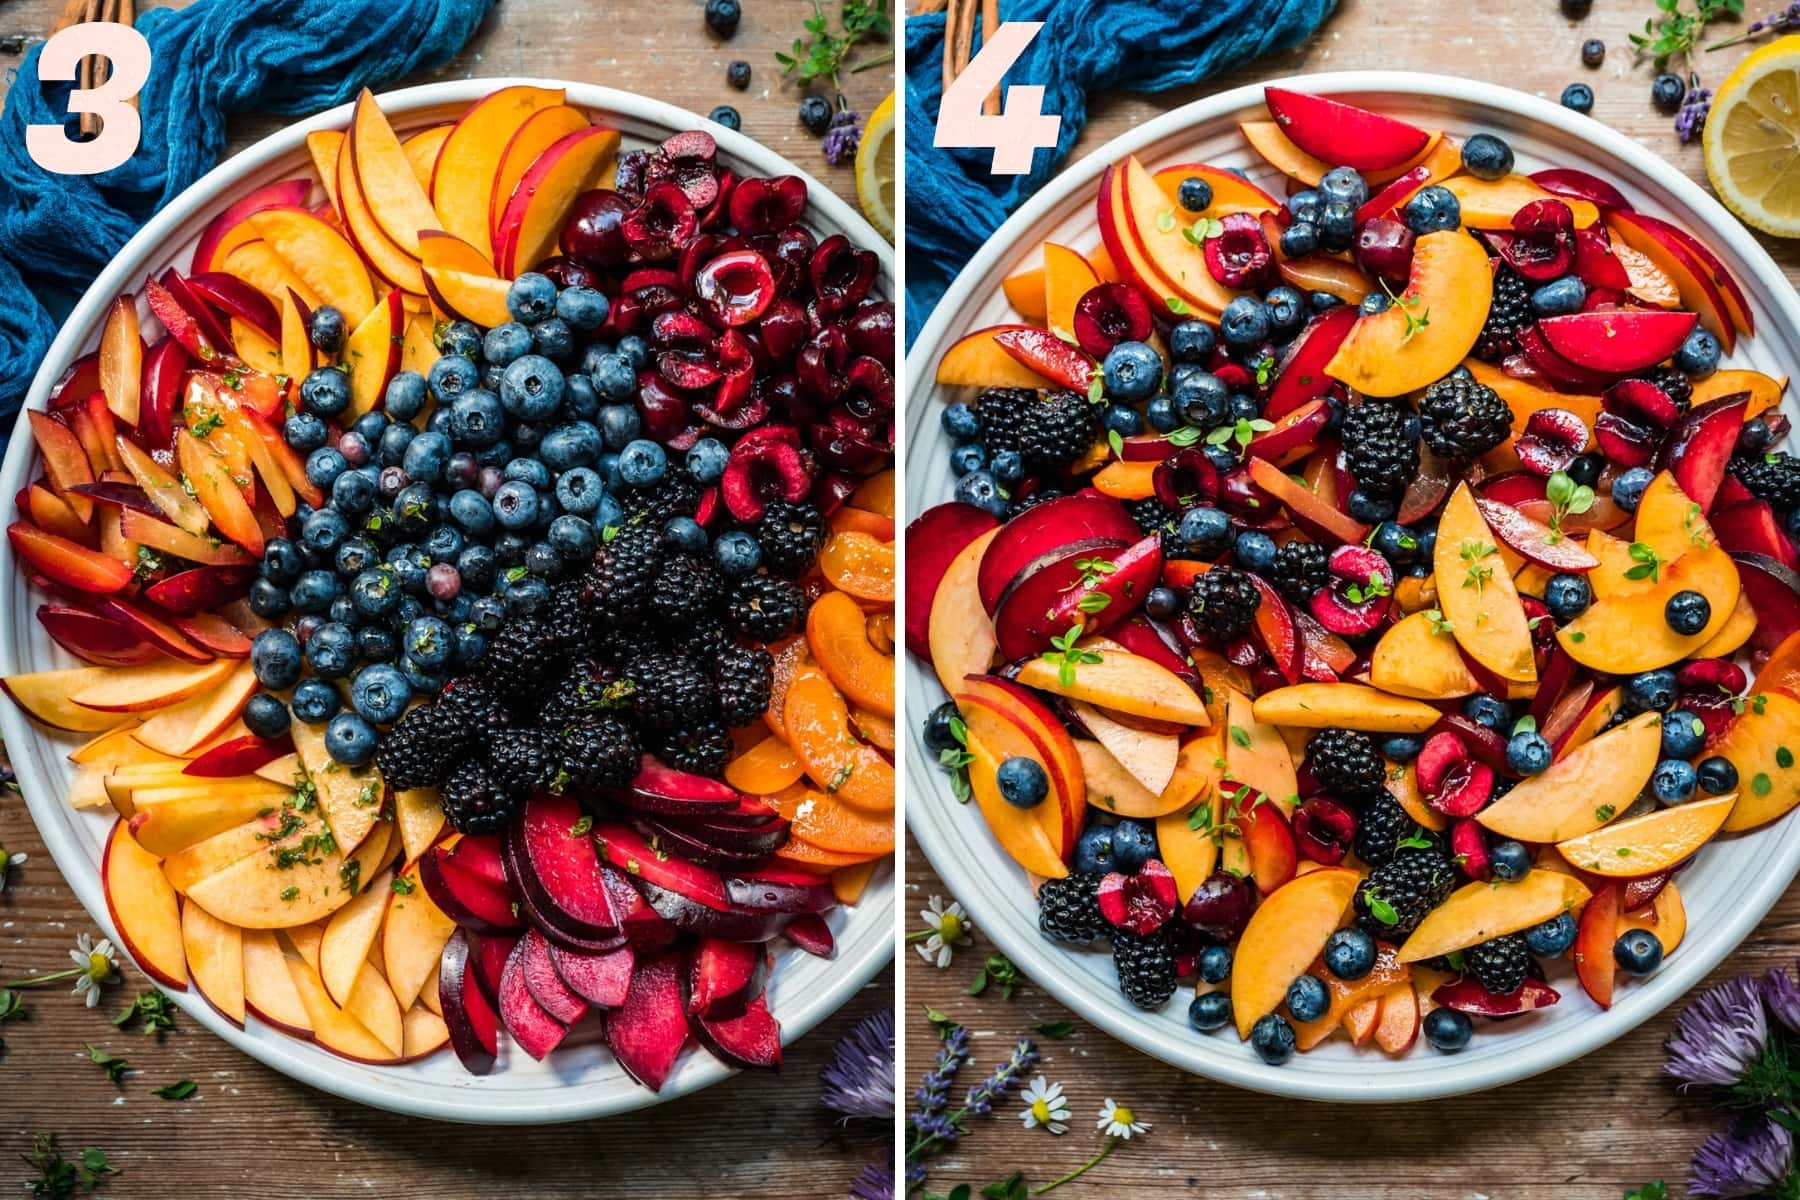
[[865, 943], [976, 878]]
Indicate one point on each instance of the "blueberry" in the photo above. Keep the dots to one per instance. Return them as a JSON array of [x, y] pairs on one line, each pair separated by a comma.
[[427, 641], [1401, 747], [266, 716], [331, 650], [314, 591], [1628, 488], [1567, 596], [609, 513], [1395, 542], [1559, 297], [1134, 844], [1667, 91], [1683, 734], [642, 463], [1133, 372], [325, 392], [391, 450], [472, 511], [1576, 10], [1202, 399], [414, 508], [1008, 466], [706, 460], [1370, 509], [426, 456], [324, 465], [315, 701], [1638, 952], [1754, 438], [553, 339], [1673, 781], [1699, 354], [1162, 602], [376, 591], [1023, 782], [452, 375], [1273, 1039], [1374, 304], [1717, 775], [1552, 938], [578, 491], [1446, 1029], [1486, 711], [1433, 209], [580, 400], [350, 740], [1214, 964], [970, 456], [737, 553], [722, 16], [353, 493], [470, 646], [275, 658], [516, 505], [1299, 239], [528, 470], [531, 298], [635, 350], [405, 396], [424, 679], [532, 388], [1194, 194], [727, 116], [960, 423], [1210, 1011], [1245, 322], [477, 419], [982, 490], [1350, 954], [1304, 205], [1528, 753], [526, 596], [1323, 301], [1287, 310], [1687, 612], [1487, 157], [1094, 850], [614, 379], [937, 728], [1593, 52], [267, 599], [326, 329], [1650, 691], [505, 343], [816, 115], [1204, 532], [1509, 860], [380, 694], [375, 644], [1343, 185], [737, 74], [304, 432], [575, 540], [443, 543], [1578, 97], [1308, 998], [1254, 551], [1192, 341]]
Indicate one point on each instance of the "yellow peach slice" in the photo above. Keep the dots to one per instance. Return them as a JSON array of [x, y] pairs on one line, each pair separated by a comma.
[[1147, 757], [1479, 912], [332, 1027], [1019, 831], [463, 178], [386, 176], [1345, 705], [1666, 917], [1582, 790], [1476, 593], [215, 958], [1255, 753], [1190, 853], [350, 935], [413, 934], [1626, 633], [1491, 203], [143, 908], [1286, 933], [349, 798], [1067, 278], [1431, 326], [1650, 843], [1414, 659], [1761, 743], [156, 685], [420, 818], [319, 255], [1668, 522], [47, 696], [1121, 681], [268, 988]]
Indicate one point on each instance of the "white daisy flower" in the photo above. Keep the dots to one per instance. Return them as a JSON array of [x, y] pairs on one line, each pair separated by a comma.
[[98, 965], [1045, 1105], [1118, 1121], [950, 927]]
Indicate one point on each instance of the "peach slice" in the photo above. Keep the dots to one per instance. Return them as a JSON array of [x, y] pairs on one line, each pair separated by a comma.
[[1765, 391], [1759, 743], [386, 178], [1414, 659], [1476, 592], [217, 490], [389, 259], [1121, 681], [1665, 916], [1148, 216], [253, 893], [420, 818], [1392, 353], [413, 934], [1025, 292], [1255, 753], [298, 357], [859, 564], [1231, 192], [1626, 633], [332, 1027], [1737, 630], [215, 959], [168, 820], [418, 352], [463, 178], [1347, 995], [1019, 831], [164, 491], [960, 634], [319, 255], [1285, 934], [1479, 912], [765, 768], [1674, 253], [977, 360], [1148, 757], [182, 729], [1067, 278], [372, 353], [269, 992], [1650, 843], [139, 689], [371, 1004], [46, 696], [260, 834], [818, 726], [1347, 705], [827, 833], [1582, 790], [1403, 785], [1668, 521], [837, 630], [477, 298], [122, 359], [446, 251], [541, 130], [422, 149], [349, 799], [143, 909], [350, 935], [1267, 139], [1490, 204], [1110, 787], [533, 218], [256, 263], [66, 462], [1021, 708]]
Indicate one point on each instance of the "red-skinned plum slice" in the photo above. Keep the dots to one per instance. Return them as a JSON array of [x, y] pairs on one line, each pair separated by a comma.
[[1698, 449], [1042, 531], [1535, 540], [472, 902], [734, 924], [810, 932], [1465, 994], [550, 846], [934, 538], [1617, 342], [1343, 133], [92, 637], [1580, 185], [545, 982], [1751, 527], [1302, 376], [1021, 619], [1774, 591], [661, 789], [201, 589], [648, 1032], [622, 846], [775, 889], [600, 979], [751, 1040], [474, 1027], [722, 977], [536, 1031], [239, 756]]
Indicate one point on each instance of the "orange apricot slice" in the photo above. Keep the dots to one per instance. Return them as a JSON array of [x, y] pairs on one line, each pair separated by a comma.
[[818, 819], [876, 493], [818, 725], [850, 519], [764, 769], [790, 654], [856, 563], [837, 631], [875, 729]]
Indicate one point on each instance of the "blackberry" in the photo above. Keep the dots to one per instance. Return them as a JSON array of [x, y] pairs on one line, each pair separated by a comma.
[[1300, 570], [1774, 477], [1461, 420], [745, 677], [617, 589], [477, 709], [1405, 889], [1509, 312], [523, 758], [669, 691], [1068, 911], [1040, 494], [676, 494], [1379, 827], [588, 691], [419, 750], [1151, 514], [685, 591], [600, 753], [701, 749], [705, 639], [766, 607], [1381, 450], [1050, 430], [1674, 384], [474, 803], [1146, 966], [1499, 965], [567, 617], [1345, 763], [522, 660], [1224, 602], [791, 535]]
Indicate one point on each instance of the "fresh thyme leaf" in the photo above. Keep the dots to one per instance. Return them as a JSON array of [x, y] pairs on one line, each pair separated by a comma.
[[152, 1010], [115, 1068], [177, 1091], [823, 53], [999, 971], [1055, 1029]]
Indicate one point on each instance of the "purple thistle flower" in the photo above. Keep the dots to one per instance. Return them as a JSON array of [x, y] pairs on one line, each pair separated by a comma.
[[842, 139], [1691, 120], [1757, 1163], [1006, 1076], [934, 1089], [873, 1182], [1782, 996], [1718, 1036], [859, 1081]]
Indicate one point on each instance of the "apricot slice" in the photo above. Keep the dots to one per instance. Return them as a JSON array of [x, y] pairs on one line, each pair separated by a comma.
[[837, 634], [1650, 843], [1285, 934], [1067, 278], [1449, 290], [1625, 634], [818, 726], [1479, 912], [1665, 916], [1345, 705], [876, 493], [874, 728], [790, 654], [859, 564], [1414, 659], [1121, 681], [1476, 593], [1760, 742], [1491, 203], [1347, 994], [764, 769], [1188, 851], [861, 520], [1782, 671], [820, 821], [1582, 790]]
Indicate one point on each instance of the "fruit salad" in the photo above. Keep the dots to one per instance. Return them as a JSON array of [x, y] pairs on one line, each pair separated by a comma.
[[482, 559], [1358, 607]]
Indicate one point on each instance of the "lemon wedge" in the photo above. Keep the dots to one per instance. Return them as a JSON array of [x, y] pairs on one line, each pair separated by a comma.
[[875, 168], [1752, 139]]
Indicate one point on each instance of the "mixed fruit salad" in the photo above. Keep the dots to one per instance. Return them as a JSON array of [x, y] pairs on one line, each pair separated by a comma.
[[483, 559], [1346, 599]]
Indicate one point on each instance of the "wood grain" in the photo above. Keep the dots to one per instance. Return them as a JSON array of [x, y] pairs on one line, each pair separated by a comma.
[[1585, 1132], [250, 1132]]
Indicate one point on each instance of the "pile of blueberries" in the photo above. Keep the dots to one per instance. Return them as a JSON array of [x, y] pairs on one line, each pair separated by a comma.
[[433, 532]]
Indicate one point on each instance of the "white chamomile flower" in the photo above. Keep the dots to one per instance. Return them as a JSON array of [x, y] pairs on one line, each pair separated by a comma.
[[950, 927], [1118, 1121], [98, 964], [1045, 1105]]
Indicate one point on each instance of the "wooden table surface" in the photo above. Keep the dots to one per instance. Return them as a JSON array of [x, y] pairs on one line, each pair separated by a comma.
[[1589, 1130], [250, 1132]]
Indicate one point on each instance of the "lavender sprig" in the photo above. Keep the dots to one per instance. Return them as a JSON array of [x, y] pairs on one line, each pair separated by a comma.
[[1777, 22], [1690, 121], [843, 138], [932, 1128], [980, 1101], [933, 1093]]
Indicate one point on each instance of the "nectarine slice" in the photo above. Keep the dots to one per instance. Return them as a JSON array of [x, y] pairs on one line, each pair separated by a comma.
[[859, 564], [1582, 790], [477, 298], [1255, 753], [332, 1027], [977, 360], [372, 352], [1348, 995], [1346, 705], [1414, 659], [167, 821], [1285, 934], [320, 256], [349, 936], [1267, 139], [371, 1004], [1190, 853], [818, 727], [1491, 203], [391, 262], [1019, 831], [1067, 278], [1648, 844], [1121, 681], [541, 130], [1431, 326], [1478, 912], [534, 214], [269, 992], [413, 933], [462, 180], [253, 894], [155, 685], [1760, 743], [256, 263], [422, 150], [387, 179], [215, 959], [217, 490], [1626, 633], [122, 359], [1476, 593], [143, 909], [350, 799]]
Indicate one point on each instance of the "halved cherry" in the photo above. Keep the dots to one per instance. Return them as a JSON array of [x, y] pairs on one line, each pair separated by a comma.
[[1186, 478], [760, 468], [662, 223], [1552, 439], [1323, 829], [1641, 402], [738, 286], [766, 205], [1624, 443], [1469, 849], [841, 274], [1239, 254], [871, 331], [1108, 314]]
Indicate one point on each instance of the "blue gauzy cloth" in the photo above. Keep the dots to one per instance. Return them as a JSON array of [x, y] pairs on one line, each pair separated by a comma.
[[953, 204], [208, 60]]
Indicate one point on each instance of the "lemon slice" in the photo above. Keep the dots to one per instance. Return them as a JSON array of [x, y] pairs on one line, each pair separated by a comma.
[[875, 168], [1752, 139]]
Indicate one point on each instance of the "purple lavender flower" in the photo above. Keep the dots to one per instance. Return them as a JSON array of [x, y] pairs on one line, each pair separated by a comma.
[[1776, 22], [934, 1089], [1782, 996], [1006, 1076], [1691, 120], [1757, 1163], [1719, 1036], [859, 1081], [873, 1182], [842, 139]]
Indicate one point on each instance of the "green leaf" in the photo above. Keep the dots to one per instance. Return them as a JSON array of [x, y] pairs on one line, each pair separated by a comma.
[[1525, 724], [1186, 436], [1176, 304], [1380, 909], [177, 1091], [1240, 735], [1096, 389], [1055, 1029], [1115, 440], [1560, 488]]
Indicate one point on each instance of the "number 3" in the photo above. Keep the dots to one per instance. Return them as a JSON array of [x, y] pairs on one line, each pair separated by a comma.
[[125, 48]]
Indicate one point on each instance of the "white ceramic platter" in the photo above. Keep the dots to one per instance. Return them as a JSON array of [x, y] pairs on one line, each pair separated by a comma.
[[1734, 882], [575, 1082]]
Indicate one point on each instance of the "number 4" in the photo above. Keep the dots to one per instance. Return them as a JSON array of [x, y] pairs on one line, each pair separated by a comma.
[[1022, 126], [129, 53]]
